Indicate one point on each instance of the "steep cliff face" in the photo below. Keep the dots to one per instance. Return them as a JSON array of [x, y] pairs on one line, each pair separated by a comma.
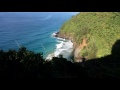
[[92, 33], [77, 48]]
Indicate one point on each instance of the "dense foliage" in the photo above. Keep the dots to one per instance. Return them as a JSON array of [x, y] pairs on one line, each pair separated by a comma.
[[101, 29], [102, 32], [27, 64]]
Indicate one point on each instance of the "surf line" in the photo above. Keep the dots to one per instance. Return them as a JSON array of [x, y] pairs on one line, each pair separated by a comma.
[[17, 44], [43, 46]]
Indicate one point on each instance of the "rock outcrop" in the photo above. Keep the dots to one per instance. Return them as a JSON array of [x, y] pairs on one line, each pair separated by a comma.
[[77, 56], [77, 48]]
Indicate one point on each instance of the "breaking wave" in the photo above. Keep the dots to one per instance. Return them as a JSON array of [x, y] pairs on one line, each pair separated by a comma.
[[63, 47]]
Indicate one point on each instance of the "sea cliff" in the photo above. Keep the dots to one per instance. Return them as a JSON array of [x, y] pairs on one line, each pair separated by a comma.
[[76, 49], [92, 33]]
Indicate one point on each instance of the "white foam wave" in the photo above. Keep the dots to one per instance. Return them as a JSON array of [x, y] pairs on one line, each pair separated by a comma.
[[50, 56], [62, 39], [60, 45], [58, 52], [63, 47], [54, 34]]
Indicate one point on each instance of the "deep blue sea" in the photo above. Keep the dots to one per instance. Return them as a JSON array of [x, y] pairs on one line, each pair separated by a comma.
[[31, 29]]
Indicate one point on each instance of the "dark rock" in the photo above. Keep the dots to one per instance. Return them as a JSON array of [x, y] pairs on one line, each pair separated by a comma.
[[55, 35]]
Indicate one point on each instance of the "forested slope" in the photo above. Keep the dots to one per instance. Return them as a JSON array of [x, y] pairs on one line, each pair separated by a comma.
[[99, 29]]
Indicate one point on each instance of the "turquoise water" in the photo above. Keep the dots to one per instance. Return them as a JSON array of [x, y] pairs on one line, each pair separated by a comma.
[[31, 29]]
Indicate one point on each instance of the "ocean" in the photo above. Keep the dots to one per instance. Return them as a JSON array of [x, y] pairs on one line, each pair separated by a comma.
[[33, 30]]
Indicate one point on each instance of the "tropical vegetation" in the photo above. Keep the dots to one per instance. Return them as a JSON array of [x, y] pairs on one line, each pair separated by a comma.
[[101, 29]]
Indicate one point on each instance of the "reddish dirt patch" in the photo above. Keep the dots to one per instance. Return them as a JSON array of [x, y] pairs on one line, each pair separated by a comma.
[[84, 44]]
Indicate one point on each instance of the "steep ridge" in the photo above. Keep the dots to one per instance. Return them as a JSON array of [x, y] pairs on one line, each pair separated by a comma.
[[92, 33]]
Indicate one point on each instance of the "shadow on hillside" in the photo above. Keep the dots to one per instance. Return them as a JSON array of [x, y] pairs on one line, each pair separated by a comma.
[[34, 66], [105, 67], [108, 66]]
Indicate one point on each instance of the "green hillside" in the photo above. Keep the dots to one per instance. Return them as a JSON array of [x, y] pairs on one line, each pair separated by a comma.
[[101, 29]]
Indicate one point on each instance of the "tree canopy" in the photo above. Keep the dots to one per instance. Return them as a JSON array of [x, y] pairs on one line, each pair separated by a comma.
[[101, 29], [27, 64]]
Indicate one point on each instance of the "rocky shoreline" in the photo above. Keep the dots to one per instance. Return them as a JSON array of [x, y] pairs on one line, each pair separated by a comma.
[[76, 49], [63, 47], [58, 34]]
